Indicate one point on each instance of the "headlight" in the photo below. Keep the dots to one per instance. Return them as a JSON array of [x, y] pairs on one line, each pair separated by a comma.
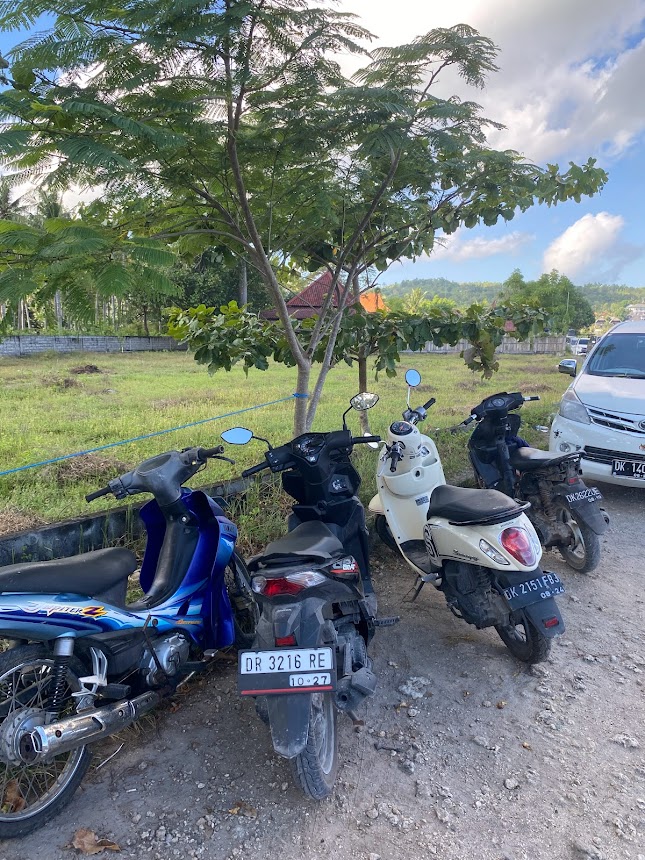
[[572, 408]]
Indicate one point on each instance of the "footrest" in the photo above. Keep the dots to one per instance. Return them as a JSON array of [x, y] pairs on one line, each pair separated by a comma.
[[387, 621]]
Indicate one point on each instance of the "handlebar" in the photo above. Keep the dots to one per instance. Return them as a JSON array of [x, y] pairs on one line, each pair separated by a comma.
[[97, 494], [253, 470], [430, 403], [357, 440], [527, 399]]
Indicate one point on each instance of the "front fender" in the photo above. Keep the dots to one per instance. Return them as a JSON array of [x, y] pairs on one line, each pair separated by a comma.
[[583, 502]]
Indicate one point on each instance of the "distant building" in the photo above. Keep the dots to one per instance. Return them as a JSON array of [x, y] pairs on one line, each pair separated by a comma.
[[636, 312], [309, 302]]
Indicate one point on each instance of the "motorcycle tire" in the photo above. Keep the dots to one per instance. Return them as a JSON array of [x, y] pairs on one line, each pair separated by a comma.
[[31, 794], [584, 555], [524, 640], [383, 531], [245, 610], [316, 766]]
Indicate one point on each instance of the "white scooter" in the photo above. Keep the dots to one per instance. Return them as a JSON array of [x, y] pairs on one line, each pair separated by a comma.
[[476, 546]]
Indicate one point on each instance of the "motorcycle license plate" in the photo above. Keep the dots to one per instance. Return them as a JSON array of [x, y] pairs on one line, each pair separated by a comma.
[[629, 469], [533, 590], [588, 495], [286, 670]]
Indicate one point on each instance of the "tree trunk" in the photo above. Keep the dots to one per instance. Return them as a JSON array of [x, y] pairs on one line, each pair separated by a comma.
[[58, 309], [243, 290], [300, 418], [362, 386], [144, 311]]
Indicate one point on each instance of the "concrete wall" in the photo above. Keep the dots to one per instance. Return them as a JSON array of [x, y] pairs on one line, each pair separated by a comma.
[[20, 345], [534, 346]]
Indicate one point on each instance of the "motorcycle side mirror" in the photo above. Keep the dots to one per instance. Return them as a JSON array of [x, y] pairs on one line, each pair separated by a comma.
[[413, 378], [364, 400], [237, 436]]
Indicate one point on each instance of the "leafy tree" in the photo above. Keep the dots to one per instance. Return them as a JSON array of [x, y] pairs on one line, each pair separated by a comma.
[[564, 303], [231, 123]]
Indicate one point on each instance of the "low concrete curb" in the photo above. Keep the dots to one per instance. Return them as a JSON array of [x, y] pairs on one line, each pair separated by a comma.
[[95, 531]]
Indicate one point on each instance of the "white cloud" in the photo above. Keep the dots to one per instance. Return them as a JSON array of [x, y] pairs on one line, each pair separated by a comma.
[[571, 72], [587, 244], [455, 247]]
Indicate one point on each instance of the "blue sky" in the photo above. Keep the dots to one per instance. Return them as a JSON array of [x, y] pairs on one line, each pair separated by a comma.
[[571, 85]]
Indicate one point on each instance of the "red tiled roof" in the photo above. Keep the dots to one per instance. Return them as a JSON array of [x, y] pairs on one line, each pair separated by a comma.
[[308, 302]]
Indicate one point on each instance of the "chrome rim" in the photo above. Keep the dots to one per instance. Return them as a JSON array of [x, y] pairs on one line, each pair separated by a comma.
[[26, 789]]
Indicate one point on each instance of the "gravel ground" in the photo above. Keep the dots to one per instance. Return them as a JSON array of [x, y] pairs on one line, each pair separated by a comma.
[[465, 752]]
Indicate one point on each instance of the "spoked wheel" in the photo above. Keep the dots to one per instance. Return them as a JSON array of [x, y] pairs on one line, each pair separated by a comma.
[[245, 610], [383, 531], [583, 553], [316, 766], [524, 640], [31, 794]]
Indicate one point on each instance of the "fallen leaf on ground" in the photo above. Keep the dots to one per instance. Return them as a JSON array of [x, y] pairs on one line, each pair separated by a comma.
[[13, 801], [243, 808], [87, 842], [501, 704]]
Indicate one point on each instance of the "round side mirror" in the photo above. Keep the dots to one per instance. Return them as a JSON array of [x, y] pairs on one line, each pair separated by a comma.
[[413, 378], [364, 401], [237, 436]]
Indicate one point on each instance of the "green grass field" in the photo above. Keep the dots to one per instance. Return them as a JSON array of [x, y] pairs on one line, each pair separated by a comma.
[[47, 410]]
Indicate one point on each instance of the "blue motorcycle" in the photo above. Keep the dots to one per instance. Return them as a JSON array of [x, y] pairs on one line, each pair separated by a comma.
[[83, 663]]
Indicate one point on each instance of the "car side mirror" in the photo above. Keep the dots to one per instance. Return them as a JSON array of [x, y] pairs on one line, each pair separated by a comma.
[[568, 365]]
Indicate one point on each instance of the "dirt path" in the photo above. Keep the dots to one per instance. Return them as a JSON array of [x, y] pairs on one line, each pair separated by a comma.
[[492, 761]]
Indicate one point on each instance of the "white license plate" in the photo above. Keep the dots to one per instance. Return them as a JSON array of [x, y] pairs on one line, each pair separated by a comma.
[[286, 660], [286, 670], [629, 469], [321, 679]]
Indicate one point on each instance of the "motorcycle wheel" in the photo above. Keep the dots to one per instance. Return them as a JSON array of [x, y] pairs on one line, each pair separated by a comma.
[[524, 640], [584, 554], [316, 766], [383, 531], [31, 794], [245, 610]]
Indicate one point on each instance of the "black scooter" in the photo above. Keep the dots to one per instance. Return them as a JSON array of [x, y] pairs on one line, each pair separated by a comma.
[[565, 512], [317, 605]]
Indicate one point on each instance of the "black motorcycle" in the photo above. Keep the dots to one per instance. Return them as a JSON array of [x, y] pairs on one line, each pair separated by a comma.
[[317, 604], [565, 512]]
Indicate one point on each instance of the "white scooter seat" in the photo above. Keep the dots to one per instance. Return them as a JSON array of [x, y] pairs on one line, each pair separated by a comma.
[[463, 507]]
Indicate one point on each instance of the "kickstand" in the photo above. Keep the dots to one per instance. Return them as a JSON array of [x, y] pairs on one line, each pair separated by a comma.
[[417, 588]]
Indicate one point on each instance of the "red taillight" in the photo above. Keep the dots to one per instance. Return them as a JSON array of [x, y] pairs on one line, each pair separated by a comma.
[[281, 585], [551, 622], [292, 583], [285, 640], [518, 543]]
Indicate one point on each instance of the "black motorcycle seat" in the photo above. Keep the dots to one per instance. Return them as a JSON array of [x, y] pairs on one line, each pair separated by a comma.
[[90, 573], [310, 540], [531, 459], [472, 507]]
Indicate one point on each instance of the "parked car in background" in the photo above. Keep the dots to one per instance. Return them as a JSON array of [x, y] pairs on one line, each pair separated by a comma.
[[581, 346], [602, 412]]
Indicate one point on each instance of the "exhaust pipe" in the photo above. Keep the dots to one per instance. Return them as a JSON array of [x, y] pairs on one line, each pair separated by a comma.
[[45, 742]]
